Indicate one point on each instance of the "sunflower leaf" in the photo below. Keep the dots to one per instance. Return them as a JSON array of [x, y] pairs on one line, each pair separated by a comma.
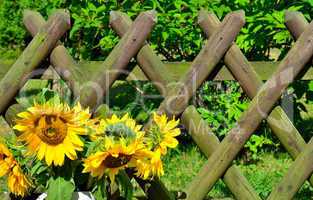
[[126, 185], [60, 188], [50, 96], [38, 168], [100, 191]]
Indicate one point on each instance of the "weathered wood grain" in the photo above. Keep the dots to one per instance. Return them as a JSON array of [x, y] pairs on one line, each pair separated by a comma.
[[91, 84], [295, 22]]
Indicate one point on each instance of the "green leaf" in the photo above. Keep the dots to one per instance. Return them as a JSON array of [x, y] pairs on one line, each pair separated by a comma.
[[48, 95], [59, 188], [310, 86], [100, 191], [126, 185], [38, 168]]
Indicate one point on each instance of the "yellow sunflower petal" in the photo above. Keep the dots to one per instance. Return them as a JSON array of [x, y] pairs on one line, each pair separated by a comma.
[[50, 153], [20, 127]]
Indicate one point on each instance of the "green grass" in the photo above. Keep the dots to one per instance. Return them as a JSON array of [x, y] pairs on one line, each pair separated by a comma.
[[3, 188], [182, 165]]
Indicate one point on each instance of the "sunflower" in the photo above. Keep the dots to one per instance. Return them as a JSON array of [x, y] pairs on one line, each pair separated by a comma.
[[52, 131], [151, 167], [162, 133], [7, 160], [122, 147], [117, 156], [18, 183]]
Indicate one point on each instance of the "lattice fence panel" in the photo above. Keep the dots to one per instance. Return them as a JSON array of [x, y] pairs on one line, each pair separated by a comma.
[[90, 82]]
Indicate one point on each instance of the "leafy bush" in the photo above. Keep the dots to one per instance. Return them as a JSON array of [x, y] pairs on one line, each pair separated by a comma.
[[221, 104], [175, 37]]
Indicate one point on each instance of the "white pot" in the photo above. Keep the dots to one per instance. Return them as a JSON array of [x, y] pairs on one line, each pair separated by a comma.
[[76, 196]]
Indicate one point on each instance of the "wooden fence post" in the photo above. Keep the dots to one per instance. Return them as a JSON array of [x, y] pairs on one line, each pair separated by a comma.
[[177, 96], [31, 57], [117, 60], [149, 62]]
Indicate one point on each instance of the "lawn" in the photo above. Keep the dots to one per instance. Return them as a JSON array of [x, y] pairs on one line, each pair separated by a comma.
[[184, 163]]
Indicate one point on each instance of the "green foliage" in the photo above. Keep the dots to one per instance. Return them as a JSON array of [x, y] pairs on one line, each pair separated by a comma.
[[221, 104], [300, 93], [13, 34], [181, 165], [125, 185], [60, 188], [266, 174], [100, 191], [175, 37], [255, 143], [135, 97]]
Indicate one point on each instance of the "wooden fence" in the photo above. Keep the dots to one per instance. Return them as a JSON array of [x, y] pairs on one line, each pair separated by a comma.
[[181, 80]]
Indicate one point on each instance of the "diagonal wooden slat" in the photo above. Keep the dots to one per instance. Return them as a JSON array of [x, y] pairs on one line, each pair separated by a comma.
[[156, 189], [298, 172], [177, 98], [146, 58], [32, 56], [208, 142], [150, 63], [239, 66], [260, 106]]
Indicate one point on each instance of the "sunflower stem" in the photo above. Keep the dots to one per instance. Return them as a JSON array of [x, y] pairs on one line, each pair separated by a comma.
[[90, 182]]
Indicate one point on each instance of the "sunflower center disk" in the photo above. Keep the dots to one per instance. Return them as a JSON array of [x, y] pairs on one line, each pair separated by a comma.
[[156, 136], [114, 162], [3, 156], [51, 129], [120, 130]]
